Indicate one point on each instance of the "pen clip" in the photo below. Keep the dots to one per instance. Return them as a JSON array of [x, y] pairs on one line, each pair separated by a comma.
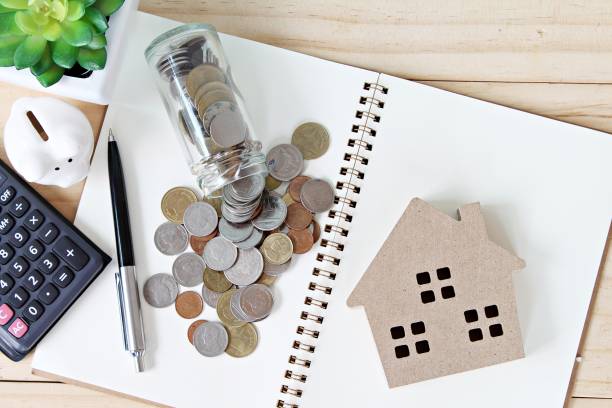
[[121, 308]]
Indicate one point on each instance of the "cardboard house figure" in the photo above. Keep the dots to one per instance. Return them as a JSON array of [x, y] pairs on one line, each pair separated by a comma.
[[439, 296]]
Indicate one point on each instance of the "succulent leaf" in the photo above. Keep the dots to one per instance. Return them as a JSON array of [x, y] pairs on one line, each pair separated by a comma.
[[92, 59], [14, 4], [8, 45], [64, 54], [98, 41], [76, 10], [52, 31], [77, 33], [44, 63], [108, 7], [6, 9], [97, 19], [88, 3], [29, 51], [53, 74], [27, 22], [8, 26]]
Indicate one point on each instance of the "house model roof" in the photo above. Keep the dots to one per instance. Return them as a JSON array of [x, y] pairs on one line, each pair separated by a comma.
[[439, 296]]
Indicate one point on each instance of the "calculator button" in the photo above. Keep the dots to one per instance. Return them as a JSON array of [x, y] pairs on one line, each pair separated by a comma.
[[19, 237], [18, 328], [19, 207], [18, 267], [18, 297], [6, 314], [63, 277], [34, 250], [6, 254], [48, 263], [6, 223], [7, 195], [49, 233], [6, 283], [48, 294], [33, 311], [34, 220], [71, 253], [33, 280]]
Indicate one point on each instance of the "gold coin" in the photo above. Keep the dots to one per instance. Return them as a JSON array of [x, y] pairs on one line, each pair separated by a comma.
[[208, 87], [216, 281], [277, 248], [203, 74], [266, 279], [215, 202], [175, 202], [272, 183], [224, 310], [213, 96], [288, 199], [189, 304], [311, 139], [242, 340], [192, 328]]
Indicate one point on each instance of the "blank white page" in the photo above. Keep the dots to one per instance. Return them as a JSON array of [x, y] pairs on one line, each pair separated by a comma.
[[545, 191], [282, 89]]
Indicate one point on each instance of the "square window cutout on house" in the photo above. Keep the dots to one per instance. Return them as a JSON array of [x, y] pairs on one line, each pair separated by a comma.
[[471, 316], [428, 296], [475, 335], [496, 330], [402, 351], [417, 328], [397, 332], [491, 311], [422, 346], [448, 292], [443, 273], [423, 278]]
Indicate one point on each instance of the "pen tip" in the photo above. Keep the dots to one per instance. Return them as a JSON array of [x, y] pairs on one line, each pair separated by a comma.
[[111, 136]]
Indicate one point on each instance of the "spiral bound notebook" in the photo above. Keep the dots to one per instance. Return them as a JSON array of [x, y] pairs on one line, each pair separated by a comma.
[[545, 195]]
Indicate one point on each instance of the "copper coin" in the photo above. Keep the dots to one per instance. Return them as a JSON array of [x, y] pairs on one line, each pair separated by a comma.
[[295, 187], [298, 217], [302, 240], [189, 304], [192, 328], [315, 230], [197, 244]]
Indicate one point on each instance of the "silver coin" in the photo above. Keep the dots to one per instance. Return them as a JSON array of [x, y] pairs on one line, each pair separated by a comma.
[[210, 339], [272, 214], [235, 232], [285, 162], [210, 296], [200, 219], [247, 269], [256, 302], [160, 290], [252, 241], [220, 254], [275, 270], [227, 129], [248, 188], [171, 238], [188, 269], [317, 195]]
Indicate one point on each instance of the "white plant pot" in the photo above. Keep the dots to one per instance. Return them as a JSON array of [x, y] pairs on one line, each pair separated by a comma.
[[98, 87]]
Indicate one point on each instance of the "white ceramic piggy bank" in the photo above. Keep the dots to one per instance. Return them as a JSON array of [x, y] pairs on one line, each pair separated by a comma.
[[57, 149]]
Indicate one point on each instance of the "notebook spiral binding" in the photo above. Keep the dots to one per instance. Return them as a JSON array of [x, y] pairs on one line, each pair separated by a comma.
[[332, 245]]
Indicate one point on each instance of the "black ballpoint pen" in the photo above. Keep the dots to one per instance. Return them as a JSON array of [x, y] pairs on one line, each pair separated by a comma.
[[125, 278]]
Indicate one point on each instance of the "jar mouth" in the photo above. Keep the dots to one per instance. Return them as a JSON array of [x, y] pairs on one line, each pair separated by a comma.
[[176, 34]]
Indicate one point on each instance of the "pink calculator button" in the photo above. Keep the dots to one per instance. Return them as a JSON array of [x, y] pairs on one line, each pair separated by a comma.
[[6, 314], [18, 328]]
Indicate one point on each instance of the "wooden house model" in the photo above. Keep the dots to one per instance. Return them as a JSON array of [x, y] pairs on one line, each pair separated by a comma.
[[439, 296]]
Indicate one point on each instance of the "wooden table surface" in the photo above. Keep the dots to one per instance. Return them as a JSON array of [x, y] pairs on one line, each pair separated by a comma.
[[552, 58]]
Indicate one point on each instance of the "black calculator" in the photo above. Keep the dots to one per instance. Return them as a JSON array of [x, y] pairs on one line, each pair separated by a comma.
[[45, 265]]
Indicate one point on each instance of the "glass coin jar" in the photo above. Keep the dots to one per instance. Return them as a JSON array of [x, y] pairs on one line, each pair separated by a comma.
[[205, 107]]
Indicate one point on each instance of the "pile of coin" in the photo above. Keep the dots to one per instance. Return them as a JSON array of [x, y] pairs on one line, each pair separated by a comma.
[[242, 239]]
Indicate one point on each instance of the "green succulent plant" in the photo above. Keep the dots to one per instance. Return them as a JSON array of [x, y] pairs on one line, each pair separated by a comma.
[[51, 36]]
